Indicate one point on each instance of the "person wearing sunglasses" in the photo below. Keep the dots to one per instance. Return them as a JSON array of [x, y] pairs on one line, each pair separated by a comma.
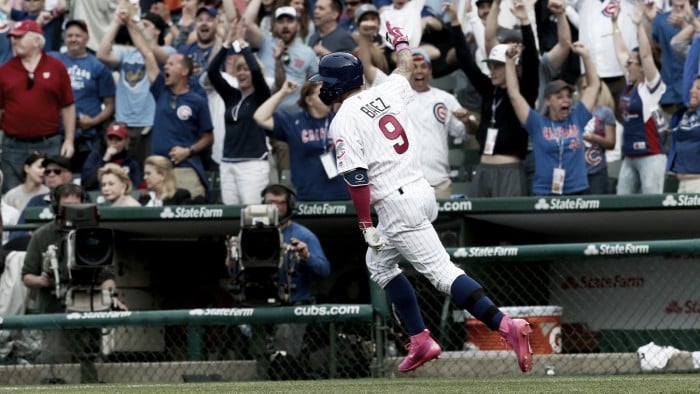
[[37, 100], [57, 171]]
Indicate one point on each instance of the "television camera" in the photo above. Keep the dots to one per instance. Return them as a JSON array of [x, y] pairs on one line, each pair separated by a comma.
[[80, 259], [257, 257]]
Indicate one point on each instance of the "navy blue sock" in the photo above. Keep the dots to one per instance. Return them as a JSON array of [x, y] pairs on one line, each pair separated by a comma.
[[404, 299], [469, 294]]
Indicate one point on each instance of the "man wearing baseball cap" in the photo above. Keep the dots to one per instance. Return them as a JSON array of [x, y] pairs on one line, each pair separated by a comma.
[[93, 89], [202, 51], [29, 81], [290, 59], [501, 137], [282, 51], [117, 140]]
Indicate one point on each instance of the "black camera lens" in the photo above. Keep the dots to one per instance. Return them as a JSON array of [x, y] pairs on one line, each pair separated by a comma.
[[94, 247]]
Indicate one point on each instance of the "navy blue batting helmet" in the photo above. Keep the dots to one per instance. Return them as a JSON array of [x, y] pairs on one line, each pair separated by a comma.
[[339, 72]]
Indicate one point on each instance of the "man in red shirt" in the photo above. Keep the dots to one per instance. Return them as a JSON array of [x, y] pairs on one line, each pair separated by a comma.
[[35, 96]]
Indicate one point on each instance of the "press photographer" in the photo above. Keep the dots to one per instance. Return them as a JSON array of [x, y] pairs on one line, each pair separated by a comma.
[[50, 243]]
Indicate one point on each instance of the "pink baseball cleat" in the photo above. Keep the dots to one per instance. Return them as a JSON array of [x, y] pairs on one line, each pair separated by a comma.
[[516, 332], [421, 349]]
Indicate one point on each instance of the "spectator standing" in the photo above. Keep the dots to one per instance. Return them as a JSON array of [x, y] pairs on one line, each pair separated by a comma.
[[664, 27], [685, 127], [445, 119], [97, 15], [50, 20], [161, 184], [186, 24], [304, 9], [93, 90], [204, 48], [599, 135], [328, 36], [347, 18], [282, 53], [32, 182], [312, 154], [5, 47], [135, 106], [115, 186], [244, 167], [182, 128], [117, 136], [31, 80], [596, 33], [644, 163], [502, 140], [370, 46], [557, 137]]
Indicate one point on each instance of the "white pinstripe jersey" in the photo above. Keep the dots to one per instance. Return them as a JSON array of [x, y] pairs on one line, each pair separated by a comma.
[[372, 130], [431, 112]]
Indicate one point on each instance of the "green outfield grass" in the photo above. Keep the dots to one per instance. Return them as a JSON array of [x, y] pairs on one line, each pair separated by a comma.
[[658, 383]]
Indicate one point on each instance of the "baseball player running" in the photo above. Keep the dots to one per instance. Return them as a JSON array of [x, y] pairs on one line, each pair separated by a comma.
[[377, 155]]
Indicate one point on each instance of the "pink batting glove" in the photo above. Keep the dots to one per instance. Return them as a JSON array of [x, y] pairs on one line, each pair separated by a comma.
[[396, 37]]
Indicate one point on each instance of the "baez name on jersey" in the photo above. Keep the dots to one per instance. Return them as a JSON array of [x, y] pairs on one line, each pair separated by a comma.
[[374, 107]]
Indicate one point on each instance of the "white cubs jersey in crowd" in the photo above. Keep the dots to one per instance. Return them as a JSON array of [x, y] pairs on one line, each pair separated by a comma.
[[372, 130], [431, 113]]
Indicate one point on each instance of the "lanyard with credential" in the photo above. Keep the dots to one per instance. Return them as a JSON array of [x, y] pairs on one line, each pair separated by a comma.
[[326, 147], [494, 106], [560, 140]]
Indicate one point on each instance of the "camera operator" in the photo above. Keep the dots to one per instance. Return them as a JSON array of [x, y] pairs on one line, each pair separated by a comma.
[[41, 282], [60, 346], [303, 260]]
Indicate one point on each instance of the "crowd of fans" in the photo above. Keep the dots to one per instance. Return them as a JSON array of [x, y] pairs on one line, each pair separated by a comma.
[[150, 99]]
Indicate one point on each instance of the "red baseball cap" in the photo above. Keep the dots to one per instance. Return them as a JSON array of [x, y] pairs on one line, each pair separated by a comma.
[[23, 27], [118, 129]]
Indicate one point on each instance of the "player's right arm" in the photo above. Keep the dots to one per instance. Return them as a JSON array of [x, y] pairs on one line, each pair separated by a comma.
[[404, 58]]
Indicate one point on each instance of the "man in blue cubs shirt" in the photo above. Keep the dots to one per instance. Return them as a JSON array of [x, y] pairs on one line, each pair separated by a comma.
[[182, 128], [93, 89]]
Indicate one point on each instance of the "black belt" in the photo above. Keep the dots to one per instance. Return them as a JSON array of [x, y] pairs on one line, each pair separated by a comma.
[[32, 140]]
